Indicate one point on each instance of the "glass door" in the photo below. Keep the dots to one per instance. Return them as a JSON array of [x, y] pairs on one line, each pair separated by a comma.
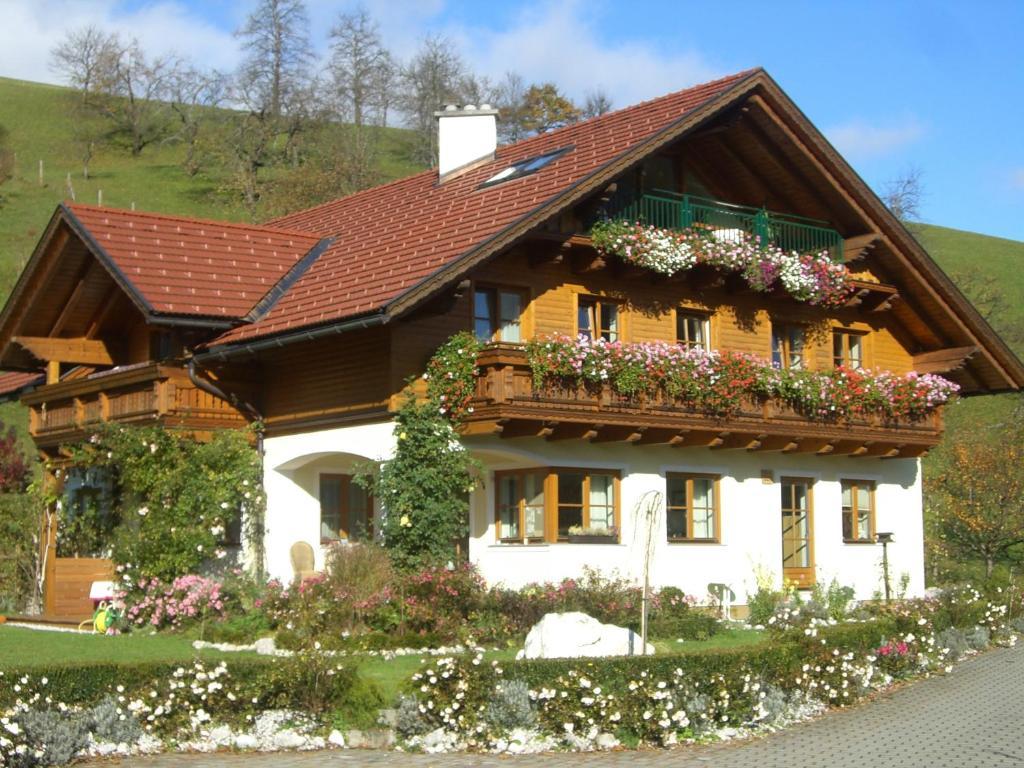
[[797, 530]]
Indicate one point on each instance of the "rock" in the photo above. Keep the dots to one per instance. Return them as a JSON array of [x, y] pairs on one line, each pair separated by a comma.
[[288, 739], [266, 646], [221, 736], [379, 739], [574, 635], [246, 741], [336, 739], [388, 718], [606, 741]]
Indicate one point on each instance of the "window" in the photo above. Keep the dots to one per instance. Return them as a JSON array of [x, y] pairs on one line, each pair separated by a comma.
[[692, 329], [858, 510], [847, 349], [788, 346], [692, 507], [497, 314], [525, 167], [535, 505], [520, 505], [585, 499], [598, 319], [797, 556], [346, 509]]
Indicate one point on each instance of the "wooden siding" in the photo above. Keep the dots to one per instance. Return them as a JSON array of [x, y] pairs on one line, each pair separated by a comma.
[[332, 379], [67, 592]]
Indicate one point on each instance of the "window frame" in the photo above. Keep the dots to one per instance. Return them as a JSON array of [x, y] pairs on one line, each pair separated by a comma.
[[786, 351], [803, 576], [495, 290], [598, 302], [857, 486], [705, 319], [844, 359], [716, 505], [344, 530], [552, 506]]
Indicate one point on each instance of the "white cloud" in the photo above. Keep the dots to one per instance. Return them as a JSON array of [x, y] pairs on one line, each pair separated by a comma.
[[861, 140], [32, 27]]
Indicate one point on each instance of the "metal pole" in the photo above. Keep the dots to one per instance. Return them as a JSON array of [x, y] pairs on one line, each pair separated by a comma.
[[885, 569]]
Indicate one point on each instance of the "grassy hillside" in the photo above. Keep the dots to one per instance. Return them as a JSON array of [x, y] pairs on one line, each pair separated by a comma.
[[40, 126]]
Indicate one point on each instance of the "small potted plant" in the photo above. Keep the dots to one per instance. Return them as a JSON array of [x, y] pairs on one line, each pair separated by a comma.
[[593, 535]]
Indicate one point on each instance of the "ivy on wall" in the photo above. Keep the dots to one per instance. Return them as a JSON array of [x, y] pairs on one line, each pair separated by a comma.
[[177, 499]]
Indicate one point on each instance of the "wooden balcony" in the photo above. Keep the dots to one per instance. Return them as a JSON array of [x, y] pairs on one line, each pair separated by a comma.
[[506, 404], [142, 394]]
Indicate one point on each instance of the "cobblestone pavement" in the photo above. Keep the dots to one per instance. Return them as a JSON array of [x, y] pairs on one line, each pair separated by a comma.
[[973, 717]]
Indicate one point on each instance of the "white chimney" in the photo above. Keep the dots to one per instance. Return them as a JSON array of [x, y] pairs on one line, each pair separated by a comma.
[[465, 136]]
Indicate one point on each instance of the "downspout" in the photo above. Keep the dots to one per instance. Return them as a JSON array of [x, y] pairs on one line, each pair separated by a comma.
[[250, 410]]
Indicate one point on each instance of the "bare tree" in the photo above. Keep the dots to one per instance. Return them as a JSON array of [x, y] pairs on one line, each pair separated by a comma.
[[275, 38], [82, 56], [596, 103], [510, 98], [386, 86], [477, 89], [430, 80], [903, 195], [193, 94], [357, 60], [132, 94]]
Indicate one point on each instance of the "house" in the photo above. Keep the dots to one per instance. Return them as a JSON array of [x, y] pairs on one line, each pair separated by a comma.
[[313, 324]]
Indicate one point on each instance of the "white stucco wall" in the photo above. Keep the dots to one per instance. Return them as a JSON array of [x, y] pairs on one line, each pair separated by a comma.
[[750, 517]]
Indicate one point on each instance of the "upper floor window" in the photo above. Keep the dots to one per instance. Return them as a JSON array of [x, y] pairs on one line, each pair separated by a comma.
[[346, 509], [858, 510], [692, 329], [598, 319], [497, 314], [788, 346], [847, 349], [692, 507]]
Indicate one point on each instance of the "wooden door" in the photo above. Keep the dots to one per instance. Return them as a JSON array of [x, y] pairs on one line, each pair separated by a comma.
[[798, 531]]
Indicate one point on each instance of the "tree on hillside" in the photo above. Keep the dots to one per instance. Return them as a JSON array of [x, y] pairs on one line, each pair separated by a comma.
[[132, 93], [430, 81], [83, 56], [6, 157], [359, 66], [597, 102], [510, 99], [975, 500], [987, 294], [275, 38], [546, 108], [903, 194], [193, 94]]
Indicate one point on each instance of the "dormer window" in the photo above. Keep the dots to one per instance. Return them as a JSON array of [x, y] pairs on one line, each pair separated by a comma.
[[525, 167]]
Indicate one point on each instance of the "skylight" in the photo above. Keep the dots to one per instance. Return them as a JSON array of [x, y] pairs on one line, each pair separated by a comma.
[[525, 167]]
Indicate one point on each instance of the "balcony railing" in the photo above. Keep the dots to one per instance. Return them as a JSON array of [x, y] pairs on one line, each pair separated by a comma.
[[508, 404], [138, 394], [670, 210]]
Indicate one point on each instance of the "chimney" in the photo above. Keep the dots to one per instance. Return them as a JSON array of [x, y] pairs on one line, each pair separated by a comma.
[[465, 136]]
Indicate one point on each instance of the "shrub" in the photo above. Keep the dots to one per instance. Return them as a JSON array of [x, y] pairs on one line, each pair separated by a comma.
[[510, 706], [60, 735], [953, 641], [766, 601], [186, 600], [20, 519], [835, 599], [359, 577]]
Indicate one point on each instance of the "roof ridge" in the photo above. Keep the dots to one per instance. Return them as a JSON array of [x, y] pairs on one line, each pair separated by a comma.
[[191, 219]]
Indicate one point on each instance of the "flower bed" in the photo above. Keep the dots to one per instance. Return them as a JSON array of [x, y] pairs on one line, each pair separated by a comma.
[[719, 383], [809, 277]]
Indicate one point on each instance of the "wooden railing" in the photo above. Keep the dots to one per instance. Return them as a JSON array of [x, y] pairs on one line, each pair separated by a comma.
[[139, 394], [506, 393]]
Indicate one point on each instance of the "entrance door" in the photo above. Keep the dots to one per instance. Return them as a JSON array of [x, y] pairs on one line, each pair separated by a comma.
[[797, 531]]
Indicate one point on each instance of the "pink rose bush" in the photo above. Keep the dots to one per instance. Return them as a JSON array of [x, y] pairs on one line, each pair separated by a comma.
[[813, 278], [185, 600]]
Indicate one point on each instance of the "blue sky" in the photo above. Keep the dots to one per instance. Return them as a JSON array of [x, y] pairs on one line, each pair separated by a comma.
[[937, 85]]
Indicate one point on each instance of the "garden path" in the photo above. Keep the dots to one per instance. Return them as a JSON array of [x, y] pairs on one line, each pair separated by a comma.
[[973, 717]]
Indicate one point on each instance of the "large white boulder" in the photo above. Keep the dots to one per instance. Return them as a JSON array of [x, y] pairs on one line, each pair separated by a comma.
[[574, 635]]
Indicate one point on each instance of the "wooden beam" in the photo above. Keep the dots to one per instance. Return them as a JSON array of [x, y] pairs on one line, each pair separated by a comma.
[[775, 443], [662, 437], [943, 360], [84, 351], [619, 434], [489, 427], [528, 429], [569, 431], [109, 302], [52, 371], [743, 440], [581, 262], [877, 451], [857, 247]]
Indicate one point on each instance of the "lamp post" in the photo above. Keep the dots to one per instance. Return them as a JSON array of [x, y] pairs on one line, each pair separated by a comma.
[[885, 538]]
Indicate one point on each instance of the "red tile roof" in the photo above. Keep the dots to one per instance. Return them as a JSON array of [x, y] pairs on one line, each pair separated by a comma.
[[185, 266], [10, 383], [390, 238]]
